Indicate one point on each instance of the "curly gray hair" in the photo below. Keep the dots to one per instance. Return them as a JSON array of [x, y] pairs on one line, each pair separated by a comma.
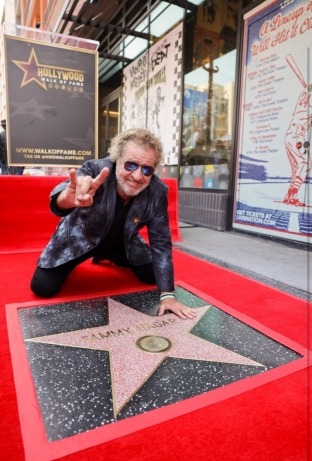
[[140, 136]]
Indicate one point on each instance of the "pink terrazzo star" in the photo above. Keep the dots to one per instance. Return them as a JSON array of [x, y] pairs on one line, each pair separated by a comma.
[[131, 366]]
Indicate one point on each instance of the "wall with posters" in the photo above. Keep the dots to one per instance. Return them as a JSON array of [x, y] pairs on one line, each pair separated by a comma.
[[273, 175], [52, 95], [152, 92]]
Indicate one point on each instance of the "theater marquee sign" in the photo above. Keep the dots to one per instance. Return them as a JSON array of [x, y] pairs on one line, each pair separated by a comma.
[[52, 101]]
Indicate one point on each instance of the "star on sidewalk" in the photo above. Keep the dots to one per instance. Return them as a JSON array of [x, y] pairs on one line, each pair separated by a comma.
[[132, 365]]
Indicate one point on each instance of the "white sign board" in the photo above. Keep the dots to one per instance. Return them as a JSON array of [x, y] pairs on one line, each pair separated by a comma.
[[152, 92], [274, 154]]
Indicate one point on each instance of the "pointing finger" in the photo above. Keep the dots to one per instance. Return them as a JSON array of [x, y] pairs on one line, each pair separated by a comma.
[[98, 181], [72, 178]]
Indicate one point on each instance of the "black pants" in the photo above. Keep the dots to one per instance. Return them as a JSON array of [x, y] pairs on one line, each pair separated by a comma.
[[47, 282]]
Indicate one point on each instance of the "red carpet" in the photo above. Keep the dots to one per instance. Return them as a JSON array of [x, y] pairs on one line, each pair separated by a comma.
[[267, 423]]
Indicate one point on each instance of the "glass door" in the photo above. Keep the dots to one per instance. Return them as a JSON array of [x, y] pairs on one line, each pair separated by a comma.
[[109, 121]]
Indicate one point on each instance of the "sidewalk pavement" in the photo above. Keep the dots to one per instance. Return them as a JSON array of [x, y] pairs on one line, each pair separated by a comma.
[[286, 268]]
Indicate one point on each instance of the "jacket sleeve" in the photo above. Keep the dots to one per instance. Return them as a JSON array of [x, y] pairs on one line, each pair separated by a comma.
[[161, 246]]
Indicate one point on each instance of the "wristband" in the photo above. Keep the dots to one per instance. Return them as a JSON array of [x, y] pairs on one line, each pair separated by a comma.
[[166, 296]]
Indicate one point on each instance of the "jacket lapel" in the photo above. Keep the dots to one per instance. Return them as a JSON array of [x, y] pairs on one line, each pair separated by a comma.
[[109, 201]]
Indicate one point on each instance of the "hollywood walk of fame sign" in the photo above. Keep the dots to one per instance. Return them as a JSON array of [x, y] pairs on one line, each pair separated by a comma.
[[52, 103]]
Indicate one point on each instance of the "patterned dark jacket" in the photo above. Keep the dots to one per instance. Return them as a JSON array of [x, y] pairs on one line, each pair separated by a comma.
[[81, 229]]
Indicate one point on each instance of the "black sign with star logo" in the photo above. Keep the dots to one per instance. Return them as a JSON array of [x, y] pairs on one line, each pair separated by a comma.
[[52, 103]]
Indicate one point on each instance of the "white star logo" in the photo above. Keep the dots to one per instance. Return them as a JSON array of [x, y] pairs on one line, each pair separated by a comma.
[[131, 365]]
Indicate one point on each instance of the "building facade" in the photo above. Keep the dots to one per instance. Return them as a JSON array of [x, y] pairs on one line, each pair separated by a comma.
[[209, 165]]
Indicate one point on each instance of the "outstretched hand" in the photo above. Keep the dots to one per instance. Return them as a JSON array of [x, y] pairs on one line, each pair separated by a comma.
[[177, 308], [81, 189]]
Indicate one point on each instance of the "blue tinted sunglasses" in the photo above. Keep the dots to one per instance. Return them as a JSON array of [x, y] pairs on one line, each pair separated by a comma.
[[132, 166]]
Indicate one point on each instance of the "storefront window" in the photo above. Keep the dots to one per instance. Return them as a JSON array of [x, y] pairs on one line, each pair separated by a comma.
[[208, 98]]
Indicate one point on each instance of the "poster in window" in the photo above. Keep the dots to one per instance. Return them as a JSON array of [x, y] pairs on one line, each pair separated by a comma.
[[273, 177], [152, 92]]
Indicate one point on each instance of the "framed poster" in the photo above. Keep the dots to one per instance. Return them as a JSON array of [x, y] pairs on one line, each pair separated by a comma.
[[275, 115], [152, 92], [52, 95]]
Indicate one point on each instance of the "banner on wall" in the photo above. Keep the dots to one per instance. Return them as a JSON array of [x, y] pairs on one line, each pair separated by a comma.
[[52, 103], [273, 174], [152, 92]]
